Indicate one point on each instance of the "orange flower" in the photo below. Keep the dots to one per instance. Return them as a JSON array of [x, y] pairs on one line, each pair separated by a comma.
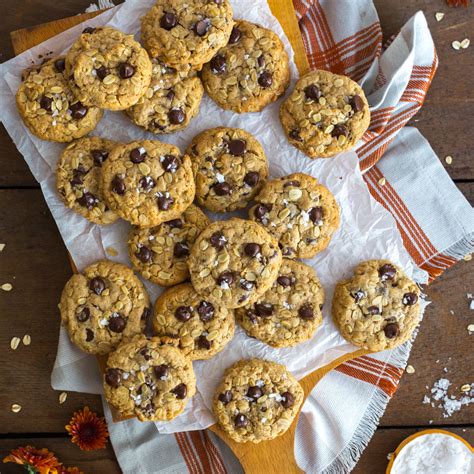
[[88, 430], [68, 470], [35, 460], [457, 3]]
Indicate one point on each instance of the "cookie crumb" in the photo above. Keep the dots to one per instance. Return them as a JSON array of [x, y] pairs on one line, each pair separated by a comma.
[[448, 159], [111, 251], [410, 369], [382, 181], [62, 397], [7, 287], [16, 408], [389, 456], [439, 16], [2, 246], [26, 339]]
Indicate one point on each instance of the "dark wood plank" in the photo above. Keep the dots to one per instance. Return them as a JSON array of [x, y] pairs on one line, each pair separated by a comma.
[[35, 262], [101, 461], [374, 459]]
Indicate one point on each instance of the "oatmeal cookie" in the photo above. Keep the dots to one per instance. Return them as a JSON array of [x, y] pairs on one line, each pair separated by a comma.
[[102, 306], [187, 32], [78, 178], [49, 108], [234, 262], [325, 114], [299, 212], [202, 328], [149, 378], [147, 182], [378, 308], [161, 253], [290, 311], [108, 68], [257, 400], [250, 72]]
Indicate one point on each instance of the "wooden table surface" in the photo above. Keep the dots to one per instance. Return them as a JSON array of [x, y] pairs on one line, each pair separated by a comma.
[[35, 262]]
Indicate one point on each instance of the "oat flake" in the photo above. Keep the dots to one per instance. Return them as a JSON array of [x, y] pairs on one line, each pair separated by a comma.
[[16, 408], [439, 16], [62, 397], [15, 342], [7, 287], [26, 339]]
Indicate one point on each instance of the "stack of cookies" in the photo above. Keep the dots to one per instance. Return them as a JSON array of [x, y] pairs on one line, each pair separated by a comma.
[[216, 273]]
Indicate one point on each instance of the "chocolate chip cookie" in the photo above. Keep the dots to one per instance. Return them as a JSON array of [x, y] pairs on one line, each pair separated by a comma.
[[161, 253], [108, 69], [299, 212], [78, 178], [149, 378], [229, 166], [257, 400], [171, 100], [187, 32], [325, 114], [234, 262], [147, 182], [102, 306], [201, 327], [49, 108], [250, 72], [378, 308], [290, 311]]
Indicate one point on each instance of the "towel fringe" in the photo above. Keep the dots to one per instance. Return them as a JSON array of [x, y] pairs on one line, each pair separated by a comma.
[[461, 248]]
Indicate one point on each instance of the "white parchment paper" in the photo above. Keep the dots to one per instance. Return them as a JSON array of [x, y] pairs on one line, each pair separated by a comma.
[[367, 229]]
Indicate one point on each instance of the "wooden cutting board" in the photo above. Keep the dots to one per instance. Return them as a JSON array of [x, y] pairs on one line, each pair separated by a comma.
[[269, 456]]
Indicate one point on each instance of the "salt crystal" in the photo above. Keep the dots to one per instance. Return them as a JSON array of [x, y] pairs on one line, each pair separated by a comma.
[[220, 177]]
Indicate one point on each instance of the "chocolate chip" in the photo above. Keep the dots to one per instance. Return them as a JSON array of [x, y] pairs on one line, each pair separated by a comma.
[[387, 272], [137, 155], [99, 156], [83, 315], [261, 61], [316, 214], [222, 189], [168, 21], [78, 111], [147, 183], [164, 203], [264, 310], [235, 35], [306, 312], [356, 103], [246, 285], [251, 178], [117, 324], [161, 371], [391, 330], [286, 251], [225, 397], [183, 313], [102, 72], [176, 116], [60, 64], [312, 92], [88, 30], [97, 285], [254, 392], [225, 278], [78, 176], [170, 95], [113, 377], [260, 211], [88, 200], [237, 147], [170, 163], [180, 391], [46, 102], [265, 79], [89, 335], [358, 295], [287, 400], [240, 421], [252, 249], [175, 224], [118, 185], [145, 353], [252, 316], [205, 311], [295, 135], [201, 27], [144, 254], [181, 250], [284, 281], [409, 299], [217, 240], [218, 2], [340, 130], [146, 314], [218, 64], [203, 342], [373, 310]]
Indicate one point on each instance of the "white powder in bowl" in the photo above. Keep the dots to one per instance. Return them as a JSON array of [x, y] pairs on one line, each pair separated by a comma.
[[434, 453]]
